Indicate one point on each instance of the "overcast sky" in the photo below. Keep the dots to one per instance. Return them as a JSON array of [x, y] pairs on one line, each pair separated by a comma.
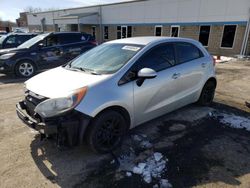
[[9, 9]]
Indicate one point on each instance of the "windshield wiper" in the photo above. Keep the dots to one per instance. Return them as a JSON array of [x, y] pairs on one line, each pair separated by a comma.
[[77, 69], [82, 69], [94, 72]]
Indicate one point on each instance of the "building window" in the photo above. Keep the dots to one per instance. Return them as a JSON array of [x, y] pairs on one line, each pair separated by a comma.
[[106, 32], [94, 31], [129, 34], [119, 33], [124, 31], [204, 34], [175, 30], [228, 36], [158, 30]]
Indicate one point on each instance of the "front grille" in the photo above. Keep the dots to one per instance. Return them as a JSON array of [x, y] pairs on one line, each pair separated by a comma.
[[31, 101]]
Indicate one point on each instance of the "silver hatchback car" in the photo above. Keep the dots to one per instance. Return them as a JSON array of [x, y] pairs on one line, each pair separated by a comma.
[[116, 86]]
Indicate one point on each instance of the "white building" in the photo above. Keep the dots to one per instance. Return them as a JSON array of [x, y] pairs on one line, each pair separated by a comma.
[[221, 25]]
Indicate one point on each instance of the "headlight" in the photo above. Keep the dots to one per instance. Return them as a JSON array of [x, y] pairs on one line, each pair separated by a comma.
[[7, 56], [57, 106]]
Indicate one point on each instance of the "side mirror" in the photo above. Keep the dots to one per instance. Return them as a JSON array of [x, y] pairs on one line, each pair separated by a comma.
[[145, 73], [40, 45]]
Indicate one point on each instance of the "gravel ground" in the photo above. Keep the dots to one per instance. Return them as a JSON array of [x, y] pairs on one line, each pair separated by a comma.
[[199, 150]]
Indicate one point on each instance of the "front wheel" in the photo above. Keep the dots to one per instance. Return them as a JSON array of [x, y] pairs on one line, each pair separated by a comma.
[[25, 69], [207, 94], [106, 131]]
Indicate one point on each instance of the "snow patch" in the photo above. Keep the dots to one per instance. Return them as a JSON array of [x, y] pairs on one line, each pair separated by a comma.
[[165, 184], [128, 174], [235, 121], [142, 140], [153, 167], [158, 156], [149, 165]]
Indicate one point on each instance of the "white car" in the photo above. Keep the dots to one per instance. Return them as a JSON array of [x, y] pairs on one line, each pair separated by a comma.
[[115, 87]]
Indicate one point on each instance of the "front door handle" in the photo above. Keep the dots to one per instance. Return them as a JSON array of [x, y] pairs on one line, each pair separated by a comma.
[[176, 75]]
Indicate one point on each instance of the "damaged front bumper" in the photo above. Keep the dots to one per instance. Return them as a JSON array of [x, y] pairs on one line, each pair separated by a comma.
[[69, 128]]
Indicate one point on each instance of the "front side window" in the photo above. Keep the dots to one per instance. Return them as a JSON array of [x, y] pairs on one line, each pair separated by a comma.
[[204, 34], [228, 36], [187, 52], [106, 58], [159, 58]]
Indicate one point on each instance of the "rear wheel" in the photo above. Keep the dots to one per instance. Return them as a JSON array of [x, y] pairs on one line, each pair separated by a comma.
[[207, 94], [106, 131], [25, 68]]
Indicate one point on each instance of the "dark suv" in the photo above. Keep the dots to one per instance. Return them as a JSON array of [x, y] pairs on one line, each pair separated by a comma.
[[13, 40], [44, 51]]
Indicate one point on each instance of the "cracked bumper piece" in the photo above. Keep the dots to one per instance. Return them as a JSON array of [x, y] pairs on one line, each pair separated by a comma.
[[71, 126]]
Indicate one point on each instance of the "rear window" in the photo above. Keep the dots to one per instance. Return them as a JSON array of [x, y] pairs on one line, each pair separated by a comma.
[[187, 52]]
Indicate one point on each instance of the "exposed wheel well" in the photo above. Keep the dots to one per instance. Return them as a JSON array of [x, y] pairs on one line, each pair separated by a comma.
[[212, 79], [122, 111]]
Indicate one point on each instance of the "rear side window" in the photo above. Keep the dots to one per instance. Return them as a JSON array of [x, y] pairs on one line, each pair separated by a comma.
[[159, 58], [51, 41], [187, 52], [71, 38]]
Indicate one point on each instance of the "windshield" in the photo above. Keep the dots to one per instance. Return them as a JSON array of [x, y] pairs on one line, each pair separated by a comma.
[[33, 41], [106, 58]]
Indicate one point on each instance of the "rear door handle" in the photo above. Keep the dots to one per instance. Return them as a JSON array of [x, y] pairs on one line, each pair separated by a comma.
[[176, 75]]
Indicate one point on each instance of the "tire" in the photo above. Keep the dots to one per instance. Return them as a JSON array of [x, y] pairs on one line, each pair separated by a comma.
[[25, 69], [106, 131], [207, 94]]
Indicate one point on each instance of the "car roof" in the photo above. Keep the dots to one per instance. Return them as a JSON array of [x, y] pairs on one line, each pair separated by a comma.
[[22, 34], [65, 32], [151, 39]]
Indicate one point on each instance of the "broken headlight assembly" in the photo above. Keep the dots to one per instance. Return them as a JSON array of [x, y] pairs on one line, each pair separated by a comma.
[[58, 106]]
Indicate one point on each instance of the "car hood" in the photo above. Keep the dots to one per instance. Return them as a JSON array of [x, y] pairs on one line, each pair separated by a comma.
[[61, 82], [11, 50]]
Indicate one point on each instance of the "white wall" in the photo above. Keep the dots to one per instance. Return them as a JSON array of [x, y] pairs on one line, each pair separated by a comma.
[[159, 11], [35, 20], [177, 11]]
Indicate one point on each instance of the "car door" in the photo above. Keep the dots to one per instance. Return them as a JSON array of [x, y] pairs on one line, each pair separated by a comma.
[[190, 71], [156, 96], [50, 54]]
